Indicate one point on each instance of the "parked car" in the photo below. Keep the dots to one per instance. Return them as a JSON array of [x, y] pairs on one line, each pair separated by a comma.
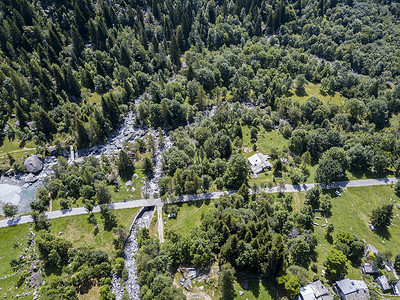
[[372, 227], [338, 193]]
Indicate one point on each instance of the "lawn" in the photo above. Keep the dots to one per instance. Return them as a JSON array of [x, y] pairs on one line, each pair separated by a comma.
[[312, 89], [15, 148], [351, 213], [188, 216]]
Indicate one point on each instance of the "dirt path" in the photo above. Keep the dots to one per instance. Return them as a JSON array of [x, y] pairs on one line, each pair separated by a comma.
[[19, 150], [160, 223]]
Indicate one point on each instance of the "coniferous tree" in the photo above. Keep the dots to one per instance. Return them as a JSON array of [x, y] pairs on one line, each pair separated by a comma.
[[82, 138], [125, 165], [174, 52], [77, 41]]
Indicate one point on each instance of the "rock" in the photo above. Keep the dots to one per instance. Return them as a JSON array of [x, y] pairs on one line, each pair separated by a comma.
[[31, 125], [52, 150], [30, 178], [241, 293], [33, 164], [128, 183]]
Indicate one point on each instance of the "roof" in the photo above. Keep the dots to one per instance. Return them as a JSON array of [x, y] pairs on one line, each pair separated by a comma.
[[353, 289], [315, 290], [259, 162], [306, 293], [368, 268], [370, 249], [383, 282], [396, 288]]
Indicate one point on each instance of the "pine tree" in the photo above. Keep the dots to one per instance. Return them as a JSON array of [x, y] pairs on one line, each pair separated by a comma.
[[77, 41], [80, 21], [125, 165], [82, 138], [44, 123], [174, 51]]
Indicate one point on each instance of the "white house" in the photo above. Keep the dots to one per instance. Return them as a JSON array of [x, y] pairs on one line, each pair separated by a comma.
[[315, 291], [259, 163]]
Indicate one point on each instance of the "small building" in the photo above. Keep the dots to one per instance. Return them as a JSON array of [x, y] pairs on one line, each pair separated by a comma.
[[396, 288], [370, 251], [387, 268], [383, 283], [369, 269], [315, 291], [349, 289], [259, 163]]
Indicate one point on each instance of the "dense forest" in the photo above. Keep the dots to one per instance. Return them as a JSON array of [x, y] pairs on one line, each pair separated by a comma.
[[70, 70]]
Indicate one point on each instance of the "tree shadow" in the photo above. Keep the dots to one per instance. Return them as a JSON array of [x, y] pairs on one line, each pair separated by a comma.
[[85, 288], [329, 239], [383, 233], [301, 93], [250, 284], [51, 269], [22, 144]]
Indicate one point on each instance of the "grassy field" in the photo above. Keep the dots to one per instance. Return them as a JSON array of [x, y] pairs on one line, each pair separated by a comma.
[[312, 89], [351, 213], [8, 250], [125, 193], [256, 289], [188, 217], [267, 140], [95, 98], [15, 148], [79, 232], [75, 229]]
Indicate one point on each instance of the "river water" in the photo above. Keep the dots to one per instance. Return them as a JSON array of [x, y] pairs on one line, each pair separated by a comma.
[[14, 192]]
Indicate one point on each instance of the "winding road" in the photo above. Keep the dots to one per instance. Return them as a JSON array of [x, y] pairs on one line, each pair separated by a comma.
[[205, 196]]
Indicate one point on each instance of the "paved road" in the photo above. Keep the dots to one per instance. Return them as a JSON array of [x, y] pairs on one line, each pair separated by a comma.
[[206, 196]]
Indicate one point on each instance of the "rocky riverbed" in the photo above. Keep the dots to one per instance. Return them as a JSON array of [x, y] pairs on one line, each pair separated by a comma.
[[131, 249]]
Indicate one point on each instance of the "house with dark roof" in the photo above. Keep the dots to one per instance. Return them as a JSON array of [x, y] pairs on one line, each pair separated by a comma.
[[349, 289], [383, 283], [315, 291], [369, 269]]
